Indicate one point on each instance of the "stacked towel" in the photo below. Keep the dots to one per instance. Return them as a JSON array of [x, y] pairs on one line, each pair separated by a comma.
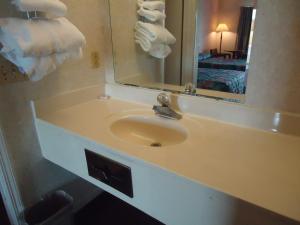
[[152, 15], [38, 46], [52, 8], [155, 33], [39, 37], [154, 39], [160, 51], [38, 67], [151, 35], [151, 5]]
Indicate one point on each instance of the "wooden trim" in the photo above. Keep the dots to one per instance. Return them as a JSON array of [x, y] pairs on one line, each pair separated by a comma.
[[9, 189]]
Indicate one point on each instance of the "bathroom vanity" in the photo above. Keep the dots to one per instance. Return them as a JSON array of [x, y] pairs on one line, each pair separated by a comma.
[[184, 171], [223, 163]]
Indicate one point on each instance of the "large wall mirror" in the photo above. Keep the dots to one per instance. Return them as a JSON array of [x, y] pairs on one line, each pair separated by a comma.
[[200, 47]]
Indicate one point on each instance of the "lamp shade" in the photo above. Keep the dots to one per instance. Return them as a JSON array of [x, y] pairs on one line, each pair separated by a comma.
[[222, 27]]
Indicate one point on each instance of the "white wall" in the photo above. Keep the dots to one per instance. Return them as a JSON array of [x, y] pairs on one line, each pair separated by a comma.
[[249, 3], [274, 75], [207, 22], [36, 176]]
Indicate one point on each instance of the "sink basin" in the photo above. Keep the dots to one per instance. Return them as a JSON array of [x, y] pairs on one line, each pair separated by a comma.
[[149, 131]]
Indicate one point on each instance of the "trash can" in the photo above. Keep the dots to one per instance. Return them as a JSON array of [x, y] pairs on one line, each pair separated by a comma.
[[54, 209]]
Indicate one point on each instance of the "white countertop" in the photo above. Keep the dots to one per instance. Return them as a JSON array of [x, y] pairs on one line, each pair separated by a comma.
[[260, 167]]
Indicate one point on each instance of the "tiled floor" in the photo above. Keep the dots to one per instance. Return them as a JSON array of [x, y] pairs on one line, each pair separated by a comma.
[[108, 210]]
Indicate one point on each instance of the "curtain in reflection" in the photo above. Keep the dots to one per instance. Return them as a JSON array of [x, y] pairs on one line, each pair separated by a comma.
[[244, 29]]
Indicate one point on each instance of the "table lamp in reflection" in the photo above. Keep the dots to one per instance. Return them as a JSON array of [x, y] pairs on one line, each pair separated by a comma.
[[222, 27]]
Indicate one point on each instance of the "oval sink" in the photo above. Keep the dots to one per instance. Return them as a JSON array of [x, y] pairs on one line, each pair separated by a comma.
[[149, 131]]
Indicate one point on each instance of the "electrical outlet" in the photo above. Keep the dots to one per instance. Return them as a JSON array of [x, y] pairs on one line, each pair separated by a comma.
[[95, 59]]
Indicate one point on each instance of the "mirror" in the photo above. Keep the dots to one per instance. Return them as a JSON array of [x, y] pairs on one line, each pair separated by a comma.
[[198, 47]]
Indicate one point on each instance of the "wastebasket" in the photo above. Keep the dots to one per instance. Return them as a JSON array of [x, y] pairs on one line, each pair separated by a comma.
[[54, 209]]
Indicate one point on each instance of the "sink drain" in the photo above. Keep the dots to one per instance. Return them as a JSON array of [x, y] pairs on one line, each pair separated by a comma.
[[155, 144]]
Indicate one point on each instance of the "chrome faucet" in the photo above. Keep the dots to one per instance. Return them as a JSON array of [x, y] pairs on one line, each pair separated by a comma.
[[164, 109]]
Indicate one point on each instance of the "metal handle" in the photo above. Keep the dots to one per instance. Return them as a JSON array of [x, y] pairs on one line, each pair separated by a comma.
[[104, 174], [163, 99], [189, 88]]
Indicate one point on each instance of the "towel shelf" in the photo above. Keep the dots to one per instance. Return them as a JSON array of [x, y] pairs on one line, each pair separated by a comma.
[[31, 15]]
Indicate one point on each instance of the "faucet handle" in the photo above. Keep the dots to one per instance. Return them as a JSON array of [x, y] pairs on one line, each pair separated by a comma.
[[164, 99], [190, 89]]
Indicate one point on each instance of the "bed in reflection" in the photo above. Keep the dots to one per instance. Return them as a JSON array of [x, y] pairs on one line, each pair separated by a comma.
[[223, 63], [222, 74]]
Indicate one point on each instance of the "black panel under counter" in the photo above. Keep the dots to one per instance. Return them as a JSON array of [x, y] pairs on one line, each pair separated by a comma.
[[110, 172]]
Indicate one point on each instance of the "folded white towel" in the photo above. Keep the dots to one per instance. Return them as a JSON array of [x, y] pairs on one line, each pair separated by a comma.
[[53, 8], [38, 67], [152, 15], [160, 51], [151, 5], [39, 37], [157, 50], [155, 33], [144, 42]]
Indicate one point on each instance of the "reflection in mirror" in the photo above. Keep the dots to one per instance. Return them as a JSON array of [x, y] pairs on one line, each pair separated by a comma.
[[191, 46], [224, 68]]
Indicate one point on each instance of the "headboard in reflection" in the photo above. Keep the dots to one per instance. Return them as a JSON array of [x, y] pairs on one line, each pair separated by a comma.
[[211, 53]]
